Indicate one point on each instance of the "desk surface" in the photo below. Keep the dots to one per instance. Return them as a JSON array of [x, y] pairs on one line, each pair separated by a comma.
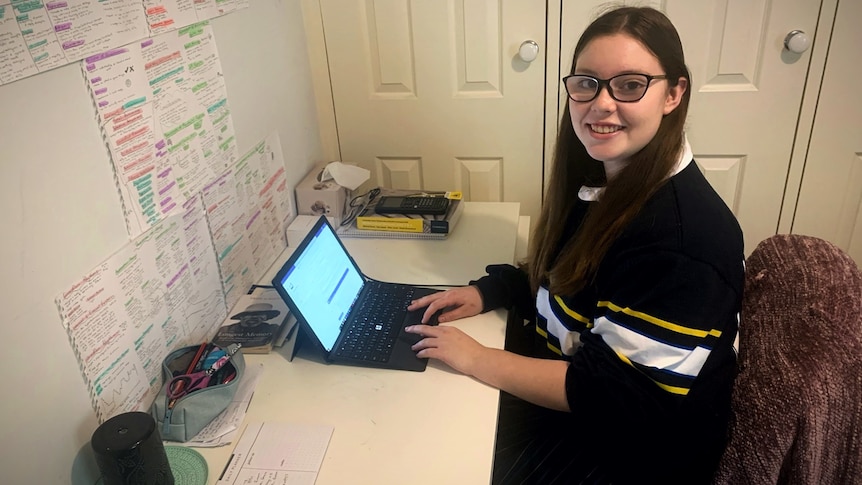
[[393, 427]]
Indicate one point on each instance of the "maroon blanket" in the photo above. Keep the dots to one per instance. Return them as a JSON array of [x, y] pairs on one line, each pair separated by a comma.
[[798, 398]]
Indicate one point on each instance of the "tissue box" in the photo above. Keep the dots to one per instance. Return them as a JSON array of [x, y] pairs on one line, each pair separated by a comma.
[[317, 198]]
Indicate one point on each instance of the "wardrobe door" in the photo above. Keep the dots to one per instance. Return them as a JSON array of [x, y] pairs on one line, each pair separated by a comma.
[[440, 95], [830, 197]]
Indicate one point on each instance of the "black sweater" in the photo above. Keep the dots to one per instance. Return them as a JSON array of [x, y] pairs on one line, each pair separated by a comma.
[[650, 342]]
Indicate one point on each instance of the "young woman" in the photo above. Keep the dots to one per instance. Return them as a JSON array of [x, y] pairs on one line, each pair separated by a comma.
[[634, 280]]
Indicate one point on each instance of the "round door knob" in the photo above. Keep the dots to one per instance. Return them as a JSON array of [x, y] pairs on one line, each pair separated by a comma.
[[797, 42], [528, 51]]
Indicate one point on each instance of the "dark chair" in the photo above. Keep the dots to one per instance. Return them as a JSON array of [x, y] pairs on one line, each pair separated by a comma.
[[797, 402]]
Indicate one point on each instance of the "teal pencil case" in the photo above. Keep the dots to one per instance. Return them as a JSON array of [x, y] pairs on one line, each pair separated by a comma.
[[182, 410]]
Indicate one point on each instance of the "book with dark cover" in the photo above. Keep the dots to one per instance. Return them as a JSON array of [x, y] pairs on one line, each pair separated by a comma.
[[254, 321]]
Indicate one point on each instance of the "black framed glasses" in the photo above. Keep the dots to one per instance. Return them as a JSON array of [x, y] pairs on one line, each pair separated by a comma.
[[625, 88]]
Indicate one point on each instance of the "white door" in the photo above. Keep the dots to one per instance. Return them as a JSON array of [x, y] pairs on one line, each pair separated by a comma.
[[431, 94], [830, 198], [747, 92]]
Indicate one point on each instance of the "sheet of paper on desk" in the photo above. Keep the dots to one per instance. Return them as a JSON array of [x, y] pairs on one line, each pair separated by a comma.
[[223, 429], [274, 452]]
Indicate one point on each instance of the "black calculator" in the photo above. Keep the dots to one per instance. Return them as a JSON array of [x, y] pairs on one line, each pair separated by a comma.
[[421, 205]]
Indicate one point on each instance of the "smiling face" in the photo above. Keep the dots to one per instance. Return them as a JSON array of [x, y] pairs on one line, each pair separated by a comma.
[[613, 131]]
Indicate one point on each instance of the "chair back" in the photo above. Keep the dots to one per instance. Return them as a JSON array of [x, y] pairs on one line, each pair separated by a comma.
[[797, 401]]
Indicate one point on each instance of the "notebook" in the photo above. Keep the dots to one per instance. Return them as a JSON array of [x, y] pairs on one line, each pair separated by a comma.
[[340, 309]]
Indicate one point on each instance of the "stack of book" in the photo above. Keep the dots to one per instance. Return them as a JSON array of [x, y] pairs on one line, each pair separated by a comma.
[[368, 223]]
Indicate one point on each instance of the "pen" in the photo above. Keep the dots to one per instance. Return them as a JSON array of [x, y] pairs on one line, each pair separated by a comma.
[[226, 465], [197, 358]]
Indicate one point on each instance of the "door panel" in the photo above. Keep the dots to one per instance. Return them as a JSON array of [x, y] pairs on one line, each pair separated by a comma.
[[830, 198], [746, 99], [430, 94]]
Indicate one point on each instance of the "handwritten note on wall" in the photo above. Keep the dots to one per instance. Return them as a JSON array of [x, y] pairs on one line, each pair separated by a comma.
[[204, 222], [172, 286], [249, 207], [157, 293], [37, 35], [163, 109]]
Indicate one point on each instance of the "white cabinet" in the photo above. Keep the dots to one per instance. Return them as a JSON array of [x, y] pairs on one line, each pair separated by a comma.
[[773, 131], [827, 162]]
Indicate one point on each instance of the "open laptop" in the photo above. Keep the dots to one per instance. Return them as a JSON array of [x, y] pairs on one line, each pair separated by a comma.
[[330, 296]]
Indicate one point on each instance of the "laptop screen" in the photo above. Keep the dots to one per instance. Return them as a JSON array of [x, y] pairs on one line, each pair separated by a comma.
[[322, 283]]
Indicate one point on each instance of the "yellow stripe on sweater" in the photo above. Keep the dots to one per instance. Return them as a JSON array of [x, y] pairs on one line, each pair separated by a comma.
[[683, 391], [659, 322], [577, 316]]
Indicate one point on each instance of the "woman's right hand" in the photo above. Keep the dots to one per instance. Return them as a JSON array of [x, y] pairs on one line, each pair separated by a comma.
[[461, 302]]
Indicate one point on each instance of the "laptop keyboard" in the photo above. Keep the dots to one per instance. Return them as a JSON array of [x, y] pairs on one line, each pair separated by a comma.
[[371, 337]]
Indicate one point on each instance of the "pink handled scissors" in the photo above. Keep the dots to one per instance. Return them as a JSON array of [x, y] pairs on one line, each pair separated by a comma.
[[183, 384]]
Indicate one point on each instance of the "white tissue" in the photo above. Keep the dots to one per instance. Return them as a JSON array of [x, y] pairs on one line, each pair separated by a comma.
[[349, 176]]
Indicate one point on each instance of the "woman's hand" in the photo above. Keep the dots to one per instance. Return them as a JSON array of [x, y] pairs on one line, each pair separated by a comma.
[[540, 381], [462, 302], [449, 345]]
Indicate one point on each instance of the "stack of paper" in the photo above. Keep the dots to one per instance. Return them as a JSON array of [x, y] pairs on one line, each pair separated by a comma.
[[273, 452], [223, 429]]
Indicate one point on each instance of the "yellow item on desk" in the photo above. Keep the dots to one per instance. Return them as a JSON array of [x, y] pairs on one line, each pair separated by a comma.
[[442, 224]]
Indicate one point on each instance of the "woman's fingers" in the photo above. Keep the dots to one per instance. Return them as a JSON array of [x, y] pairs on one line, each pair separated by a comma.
[[424, 301], [461, 302], [428, 333], [423, 330], [433, 303], [447, 344], [436, 306]]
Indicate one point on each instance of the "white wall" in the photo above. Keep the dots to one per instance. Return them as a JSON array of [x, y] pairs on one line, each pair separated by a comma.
[[60, 216]]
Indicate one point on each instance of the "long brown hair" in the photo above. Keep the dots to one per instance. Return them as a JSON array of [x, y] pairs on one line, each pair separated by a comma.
[[571, 268]]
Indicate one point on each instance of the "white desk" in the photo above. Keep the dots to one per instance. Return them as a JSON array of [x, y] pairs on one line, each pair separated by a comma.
[[393, 427]]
